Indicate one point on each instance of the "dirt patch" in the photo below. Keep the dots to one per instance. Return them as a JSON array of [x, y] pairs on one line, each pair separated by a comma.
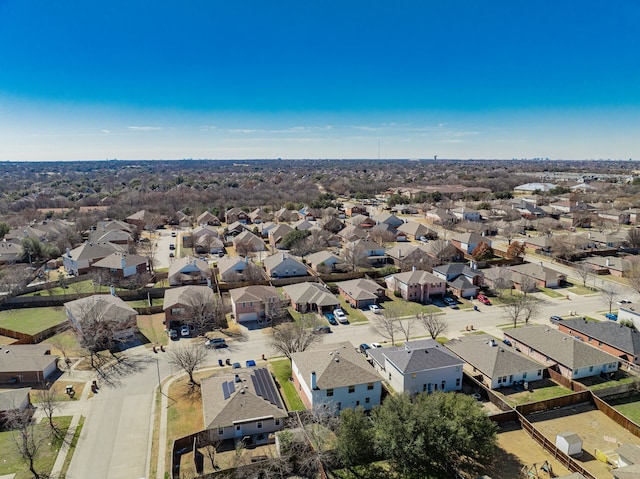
[[7, 340], [517, 450]]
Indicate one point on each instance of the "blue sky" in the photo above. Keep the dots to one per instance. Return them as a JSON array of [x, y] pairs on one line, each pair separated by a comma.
[[319, 79]]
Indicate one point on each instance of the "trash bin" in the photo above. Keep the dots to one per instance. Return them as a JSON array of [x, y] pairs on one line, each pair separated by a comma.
[[228, 361], [220, 363]]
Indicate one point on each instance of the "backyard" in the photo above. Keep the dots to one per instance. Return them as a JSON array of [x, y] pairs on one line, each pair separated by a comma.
[[539, 391], [282, 370], [32, 320]]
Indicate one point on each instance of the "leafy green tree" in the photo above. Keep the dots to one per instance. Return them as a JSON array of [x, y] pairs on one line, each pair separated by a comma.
[[293, 237], [34, 250], [432, 435], [4, 229], [354, 446]]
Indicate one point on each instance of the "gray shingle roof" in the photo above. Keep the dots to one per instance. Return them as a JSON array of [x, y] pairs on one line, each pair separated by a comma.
[[12, 398], [416, 356], [336, 365], [609, 332], [560, 347], [187, 296], [492, 361], [312, 293]]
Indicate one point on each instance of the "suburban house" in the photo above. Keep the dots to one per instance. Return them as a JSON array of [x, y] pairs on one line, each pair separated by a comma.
[[373, 252], [323, 261], [463, 280], [305, 213], [189, 270], [26, 363], [493, 363], [423, 366], [467, 242], [181, 303], [9, 252], [208, 244], [103, 308], [208, 218], [613, 265], [141, 219], [541, 275], [80, 260], [333, 225], [538, 243], [252, 303], [183, 220], [360, 293], [12, 401], [629, 314], [607, 239], [235, 228], [352, 209], [615, 217], [230, 269], [628, 463], [440, 216], [113, 236], [364, 222], [189, 239], [303, 225], [567, 355], [281, 265], [388, 218], [122, 265], [311, 297], [236, 214], [442, 251], [264, 228], [415, 230], [246, 242], [408, 255], [352, 233], [609, 336], [335, 376], [285, 215], [242, 405], [385, 231], [416, 285], [465, 214], [259, 216], [277, 234]]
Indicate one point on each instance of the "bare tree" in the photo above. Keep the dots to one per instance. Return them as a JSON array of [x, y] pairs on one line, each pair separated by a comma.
[[47, 401], [609, 293], [355, 258], [406, 326], [442, 250], [433, 323], [386, 323], [583, 270], [188, 358], [501, 279], [633, 275], [148, 249], [381, 237], [253, 273], [27, 439], [289, 338], [633, 237], [520, 308], [205, 310], [527, 284]]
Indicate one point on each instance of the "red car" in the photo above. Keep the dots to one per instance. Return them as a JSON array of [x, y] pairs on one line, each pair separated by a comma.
[[483, 299]]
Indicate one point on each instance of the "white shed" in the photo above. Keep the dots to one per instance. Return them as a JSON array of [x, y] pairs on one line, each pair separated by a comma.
[[569, 443]]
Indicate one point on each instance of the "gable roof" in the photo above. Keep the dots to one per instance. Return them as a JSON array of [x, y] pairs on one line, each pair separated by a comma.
[[609, 332], [414, 228], [186, 296], [101, 307], [279, 259], [120, 261], [231, 263], [461, 283], [190, 263], [253, 293], [311, 293], [457, 269], [90, 251], [11, 399], [336, 365], [416, 277], [535, 271], [471, 238], [322, 257], [416, 356], [243, 401], [360, 289], [16, 358], [493, 361], [560, 347]]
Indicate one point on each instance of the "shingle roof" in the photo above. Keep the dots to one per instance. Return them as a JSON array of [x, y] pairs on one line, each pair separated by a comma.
[[312, 293], [100, 307], [187, 296], [25, 357], [414, 228], [12, 398], [493, 361], [560, 347], [253, 293], [360, 288], [115, 261], [243, 404], [420, 357], [336, 365], [417, 277], [609, 332]]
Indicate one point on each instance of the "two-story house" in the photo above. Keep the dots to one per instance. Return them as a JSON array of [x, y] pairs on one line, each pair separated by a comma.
[[281, 265], [416, 285], [335, 376], [252, 303], [122, 265], [360, 293], [181, 303]]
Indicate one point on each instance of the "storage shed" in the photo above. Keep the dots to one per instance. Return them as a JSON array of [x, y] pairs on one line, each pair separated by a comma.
[[569, 443]]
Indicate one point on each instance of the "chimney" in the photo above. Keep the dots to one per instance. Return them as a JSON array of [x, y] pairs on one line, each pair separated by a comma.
[[413, 268], [68, 252], [314, 383], [208, 282]]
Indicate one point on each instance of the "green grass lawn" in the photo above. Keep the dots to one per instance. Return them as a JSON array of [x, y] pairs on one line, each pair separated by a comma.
[[354, 315], [12, 463], [548, 391], [153, 329], [581, 290], [552, 293], [72, 447], [79, 287], [629, 406], [282, 370], [410, 308], [32, 320], [66, 341], [143, 303]]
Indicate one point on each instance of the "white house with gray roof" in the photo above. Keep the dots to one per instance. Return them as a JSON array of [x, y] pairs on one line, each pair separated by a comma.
[[335, 375], [241, 403], [569, 356], [493, 362], [307, 297], [418, 367]]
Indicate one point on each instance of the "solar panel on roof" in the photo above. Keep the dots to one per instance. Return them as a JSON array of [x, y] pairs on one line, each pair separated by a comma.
[[225, 390], [256, 386], [269, 391], [232, 387]]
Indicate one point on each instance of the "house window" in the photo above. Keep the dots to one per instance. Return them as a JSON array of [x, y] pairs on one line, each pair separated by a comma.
[[457, 382], [367, 400], [329, 392], [539, 372], [238, 428], [590, 369], [599, 343], [389, 376], [443, 383], [259, 425], [370, 386], [277, 422], [220, 431], [524, 375], [413, 375], [357, 403], [339, 406], [424, 387], [176, 311], [352, 389]]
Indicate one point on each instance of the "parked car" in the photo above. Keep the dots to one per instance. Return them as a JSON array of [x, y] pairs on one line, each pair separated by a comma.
[[172, 246], [375, 309], [250, 363], [507, 342], [555, 318], [173, 334], [184, 330], [451, 302], [236, 366], [611, 316], [322, 330], [483, 299], [363, 348], [623, 301], [215, 343], [331, 318], [340, 315], [376, 345]]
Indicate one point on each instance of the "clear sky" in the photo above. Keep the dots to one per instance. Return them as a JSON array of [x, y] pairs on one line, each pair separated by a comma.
[[147, 79]]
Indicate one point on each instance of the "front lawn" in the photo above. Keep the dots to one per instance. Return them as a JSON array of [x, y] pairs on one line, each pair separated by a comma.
[[551, 292], [410, 308], [12, 462], [32, 320], [581, 290], [152, 328], [282, 370]]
